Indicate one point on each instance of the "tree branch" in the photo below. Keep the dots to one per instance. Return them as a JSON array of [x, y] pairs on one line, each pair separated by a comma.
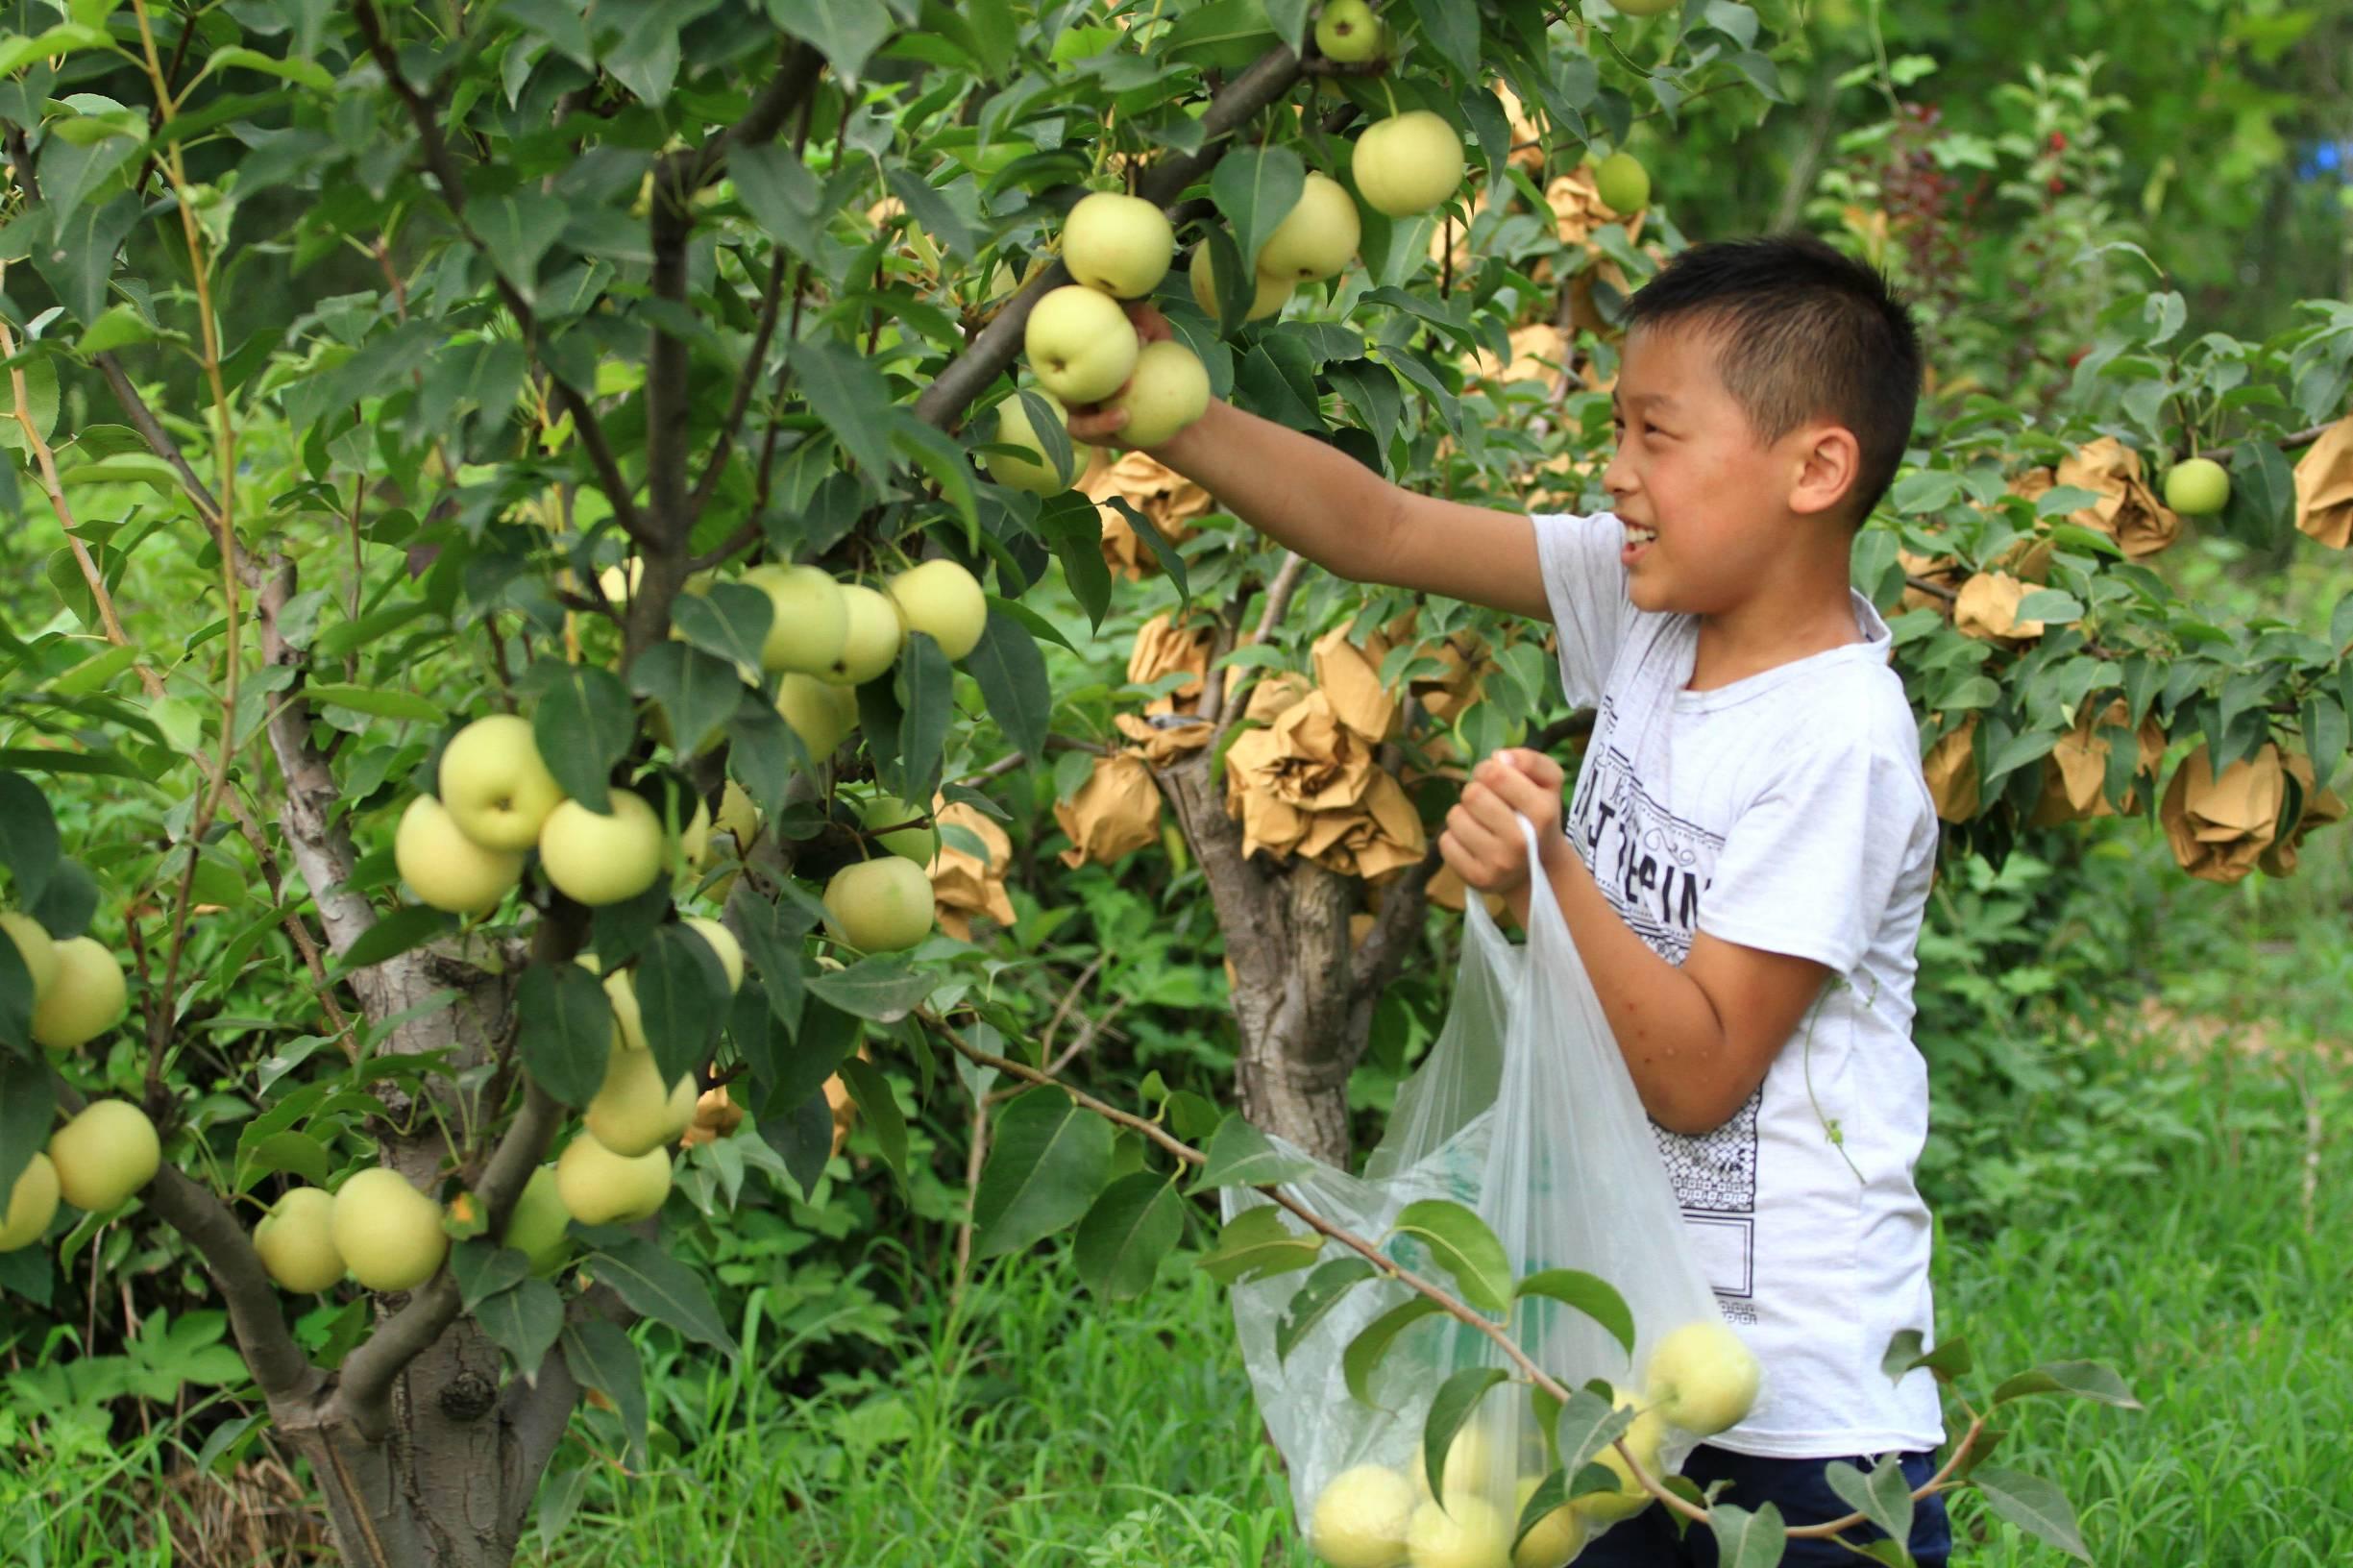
[[1000, 343], [276, 1362], [452, 186]]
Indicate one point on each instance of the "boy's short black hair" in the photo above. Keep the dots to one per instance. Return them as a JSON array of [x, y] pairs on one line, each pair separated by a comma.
[[1803, 332]]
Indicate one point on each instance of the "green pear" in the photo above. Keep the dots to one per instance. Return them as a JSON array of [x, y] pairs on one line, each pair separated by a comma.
[[1315, 238], [1623, 183], [822, 713], [495, 785], [1266, 299], [296, 1241], [601, 1188], [537, 1227], [1169, 390], [723, 943], [1347, 32], [943, 599], [880, 906], [598, 858], [2198, 487], [811, 621], [1080, 344], [634, 1111], [31, 1203], [36, 946], [104, 1155], [86, 997], [875, 636], [1036, 475], [1118, 244], [445, 868], [389, 1233], [921, 845], [1407, 165]]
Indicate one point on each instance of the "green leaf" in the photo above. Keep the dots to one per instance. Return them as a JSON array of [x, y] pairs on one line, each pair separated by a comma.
[[28, 1104], [881, 988], [309, 73], [1464, 1247], [564, 1029], [1257, 1245], [1324, 1289], [1240, 1155], [1010, 670], [879, 1107], [696, 693], [663, 1288], [730, 621], [379, 704], [584, 725], [392, 936], [1588, 1294], [1456, 1400], [1452, 29], [2325, 736], [846, 32], [2083, 1379], [781, 194], [1588, 1424], [2034, 1505], [1157, 542], [483, 1269], [2262, 506], [2050, 606], [1884, 1497], [1131, 1227], [80, 262], [298, 1153], [1931, 490], [925, 686], [599, 1355], [772, 936], [524, 1320], [1364, 1353], [28, 836], [1256, 188], [40, 400], [682, 997], [848, 394], [1747, 1540], [1050, 1159], [1072, 528]]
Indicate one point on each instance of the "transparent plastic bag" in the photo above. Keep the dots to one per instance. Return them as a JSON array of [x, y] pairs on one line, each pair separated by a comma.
[[1523, 1113]]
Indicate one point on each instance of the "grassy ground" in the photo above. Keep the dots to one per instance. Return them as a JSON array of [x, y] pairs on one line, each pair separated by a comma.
[[2200, 1243]]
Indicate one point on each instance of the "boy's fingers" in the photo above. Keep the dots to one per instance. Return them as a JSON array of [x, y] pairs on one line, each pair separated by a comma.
[[1150, 325], [1535, 765], [1524, 795]]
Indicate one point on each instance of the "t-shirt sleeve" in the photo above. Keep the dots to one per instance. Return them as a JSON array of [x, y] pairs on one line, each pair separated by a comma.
[[1810, 867], [1585, 583]]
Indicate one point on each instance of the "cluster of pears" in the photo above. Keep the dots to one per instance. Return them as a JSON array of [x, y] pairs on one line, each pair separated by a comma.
[[1701, 1379], [1081, 345], [108, 1150], [388, 1236], [463, 849]]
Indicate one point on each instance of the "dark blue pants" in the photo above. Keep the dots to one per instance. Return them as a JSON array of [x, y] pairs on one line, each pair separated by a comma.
[[1796, 1488]]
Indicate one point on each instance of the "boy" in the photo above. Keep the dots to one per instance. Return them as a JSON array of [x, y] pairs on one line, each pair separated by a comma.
[[1753, 840]]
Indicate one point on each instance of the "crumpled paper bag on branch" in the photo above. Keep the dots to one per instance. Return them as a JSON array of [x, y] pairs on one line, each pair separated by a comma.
[[1350, 676], [1307, 784], [2322, 808], [2075, 774], [1115, 812], [1464, 655], [1167, 728], [2127, 510], [1986, 608], [2218, 828], [962, 884], [716, 1116], [1950, 769], [2324, 486], [1168, 501]]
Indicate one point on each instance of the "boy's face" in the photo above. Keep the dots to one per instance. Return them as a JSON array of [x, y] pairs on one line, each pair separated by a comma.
[[1705, 502]]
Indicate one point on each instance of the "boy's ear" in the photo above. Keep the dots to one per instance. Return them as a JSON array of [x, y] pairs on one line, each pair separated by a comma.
[[1829, 459]]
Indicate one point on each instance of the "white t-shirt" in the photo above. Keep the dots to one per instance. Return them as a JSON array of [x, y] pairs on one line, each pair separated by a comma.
[[1784, 812]]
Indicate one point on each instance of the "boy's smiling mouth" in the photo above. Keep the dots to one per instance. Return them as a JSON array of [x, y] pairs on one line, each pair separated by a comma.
[[1639, 538]]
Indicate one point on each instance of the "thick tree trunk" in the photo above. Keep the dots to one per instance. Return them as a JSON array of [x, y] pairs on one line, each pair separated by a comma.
[[1303, 1000], [452, 1483]]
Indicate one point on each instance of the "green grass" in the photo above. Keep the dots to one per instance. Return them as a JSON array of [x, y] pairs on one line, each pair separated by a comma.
[[1046, 1428]]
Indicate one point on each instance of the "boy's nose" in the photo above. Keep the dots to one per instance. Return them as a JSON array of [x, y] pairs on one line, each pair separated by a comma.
[[1618, 479]]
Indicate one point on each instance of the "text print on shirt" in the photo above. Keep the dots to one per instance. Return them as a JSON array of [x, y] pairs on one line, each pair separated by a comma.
[[1654, 867]]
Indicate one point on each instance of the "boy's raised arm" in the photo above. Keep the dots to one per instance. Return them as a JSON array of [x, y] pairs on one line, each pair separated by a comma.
[[1349, 521], [1318, 501]]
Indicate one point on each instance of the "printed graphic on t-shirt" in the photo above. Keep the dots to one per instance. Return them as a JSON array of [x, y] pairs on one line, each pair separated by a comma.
[[1654, 867]]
